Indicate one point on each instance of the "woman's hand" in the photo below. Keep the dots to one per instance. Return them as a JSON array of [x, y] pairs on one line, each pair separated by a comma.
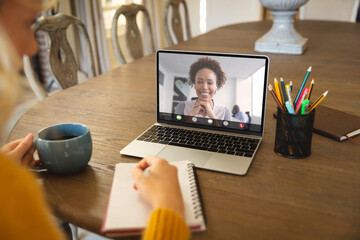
[[208, 108], [198, 110], [159, 186], [21, 150]]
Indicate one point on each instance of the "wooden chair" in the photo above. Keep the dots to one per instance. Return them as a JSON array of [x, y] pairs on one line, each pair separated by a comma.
[[61, 57], [133, 39], [176, 22]]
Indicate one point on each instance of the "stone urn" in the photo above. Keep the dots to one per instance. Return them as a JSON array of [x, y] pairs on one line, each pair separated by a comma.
[[282, 37]]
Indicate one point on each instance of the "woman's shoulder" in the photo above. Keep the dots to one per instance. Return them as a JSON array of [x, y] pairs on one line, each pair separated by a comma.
[[220, 107], [15, 172], [190, 102]]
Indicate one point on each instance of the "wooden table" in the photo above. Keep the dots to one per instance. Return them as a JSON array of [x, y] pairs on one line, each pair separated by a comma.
[[313, 198]]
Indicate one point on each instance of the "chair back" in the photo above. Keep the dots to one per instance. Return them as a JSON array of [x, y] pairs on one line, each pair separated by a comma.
[[61, 57], [133, 39], [176, 22]]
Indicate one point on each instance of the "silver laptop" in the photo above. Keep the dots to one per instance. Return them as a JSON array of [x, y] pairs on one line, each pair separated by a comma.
[[210, 110]]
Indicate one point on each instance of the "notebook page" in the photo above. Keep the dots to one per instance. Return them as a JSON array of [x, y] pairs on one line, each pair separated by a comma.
[[126, 207], [128, 211]]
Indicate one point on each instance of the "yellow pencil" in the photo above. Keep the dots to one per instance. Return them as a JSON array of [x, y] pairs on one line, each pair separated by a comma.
[[277, 90], [318, 101]]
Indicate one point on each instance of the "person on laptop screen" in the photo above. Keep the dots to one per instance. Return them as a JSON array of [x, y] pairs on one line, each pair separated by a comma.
[[239, 115], [207, 77]]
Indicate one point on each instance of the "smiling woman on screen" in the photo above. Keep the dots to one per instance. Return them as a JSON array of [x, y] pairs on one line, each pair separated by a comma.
[[207, 78]]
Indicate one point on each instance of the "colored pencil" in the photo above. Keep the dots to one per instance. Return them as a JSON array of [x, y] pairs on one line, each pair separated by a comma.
[[290, 84], [302, 96], [277, 90], [298, 106], [302, 85], [271, 89], [318, 101], [310, 89], [282, 84]]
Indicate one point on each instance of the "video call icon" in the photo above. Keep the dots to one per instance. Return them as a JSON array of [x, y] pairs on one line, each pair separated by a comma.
[[210, 121], [225, 123]]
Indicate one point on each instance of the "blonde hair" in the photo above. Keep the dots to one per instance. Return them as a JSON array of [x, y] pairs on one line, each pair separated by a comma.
[[38, 5], [10, 64]]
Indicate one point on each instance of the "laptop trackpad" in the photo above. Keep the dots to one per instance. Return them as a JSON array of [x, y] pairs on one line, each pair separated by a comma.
[[173, 153]]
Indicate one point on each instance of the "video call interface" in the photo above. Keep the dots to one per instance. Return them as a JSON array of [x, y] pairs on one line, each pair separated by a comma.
[[212, 90]]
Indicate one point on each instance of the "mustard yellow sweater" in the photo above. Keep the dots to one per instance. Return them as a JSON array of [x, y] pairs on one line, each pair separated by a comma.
[[166, 224], [24, 213]]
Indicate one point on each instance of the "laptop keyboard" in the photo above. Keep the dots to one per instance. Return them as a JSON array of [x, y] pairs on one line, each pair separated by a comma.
[[212, 142]]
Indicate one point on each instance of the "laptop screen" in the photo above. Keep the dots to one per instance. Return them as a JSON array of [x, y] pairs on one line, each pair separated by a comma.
[[217, 91]]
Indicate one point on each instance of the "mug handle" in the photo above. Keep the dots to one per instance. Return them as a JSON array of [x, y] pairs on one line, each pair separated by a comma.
[[38, 167]]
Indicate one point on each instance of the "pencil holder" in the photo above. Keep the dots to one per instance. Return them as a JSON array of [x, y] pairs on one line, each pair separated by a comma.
[[293, 134]]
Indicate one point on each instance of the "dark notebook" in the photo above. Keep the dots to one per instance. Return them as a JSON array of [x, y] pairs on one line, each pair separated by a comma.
[[335, 124]]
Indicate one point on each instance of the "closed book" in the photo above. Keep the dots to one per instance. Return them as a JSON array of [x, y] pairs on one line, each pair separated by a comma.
[[335, 124], [128, 213]]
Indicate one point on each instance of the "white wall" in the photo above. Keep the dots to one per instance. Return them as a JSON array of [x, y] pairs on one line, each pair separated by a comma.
[[218, 13], [166, 91], [225, 12], [336, 10]]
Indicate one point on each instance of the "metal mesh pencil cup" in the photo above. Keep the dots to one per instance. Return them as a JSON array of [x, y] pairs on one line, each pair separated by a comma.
[[294, 134]]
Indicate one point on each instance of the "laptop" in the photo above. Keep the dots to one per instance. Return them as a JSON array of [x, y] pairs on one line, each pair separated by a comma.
[[210, 110]]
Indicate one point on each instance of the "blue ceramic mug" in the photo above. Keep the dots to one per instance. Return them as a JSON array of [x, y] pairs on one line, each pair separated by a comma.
[[64, 148]]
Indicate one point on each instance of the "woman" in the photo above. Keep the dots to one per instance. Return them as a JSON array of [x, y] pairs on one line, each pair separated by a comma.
[[207, 77], [24, 212]]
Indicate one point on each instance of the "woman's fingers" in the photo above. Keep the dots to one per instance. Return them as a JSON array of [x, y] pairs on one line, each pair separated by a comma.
[[20, 150], [28, 158]]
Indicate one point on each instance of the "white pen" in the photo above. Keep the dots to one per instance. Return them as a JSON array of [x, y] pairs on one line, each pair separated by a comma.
[[146, 171]]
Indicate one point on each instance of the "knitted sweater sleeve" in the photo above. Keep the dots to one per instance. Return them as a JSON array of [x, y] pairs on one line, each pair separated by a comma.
[[24, 212], [166, 224]]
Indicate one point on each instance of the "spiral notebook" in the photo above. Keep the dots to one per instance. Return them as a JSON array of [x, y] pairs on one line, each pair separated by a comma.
[[127, 212]]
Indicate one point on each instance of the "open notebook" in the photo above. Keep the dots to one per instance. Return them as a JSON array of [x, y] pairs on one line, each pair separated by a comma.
[[127, 212]]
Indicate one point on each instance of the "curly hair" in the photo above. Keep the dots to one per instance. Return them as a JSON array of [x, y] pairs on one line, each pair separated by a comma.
[[210, 64]]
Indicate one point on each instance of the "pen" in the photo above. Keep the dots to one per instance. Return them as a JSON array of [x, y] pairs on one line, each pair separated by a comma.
[[289, 107], [310, 89], [146, 171], [318, 101], [277, 89], [302, 85], [274, 96], [304, 106], [282, 84], [301, 100], [290, 86]]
